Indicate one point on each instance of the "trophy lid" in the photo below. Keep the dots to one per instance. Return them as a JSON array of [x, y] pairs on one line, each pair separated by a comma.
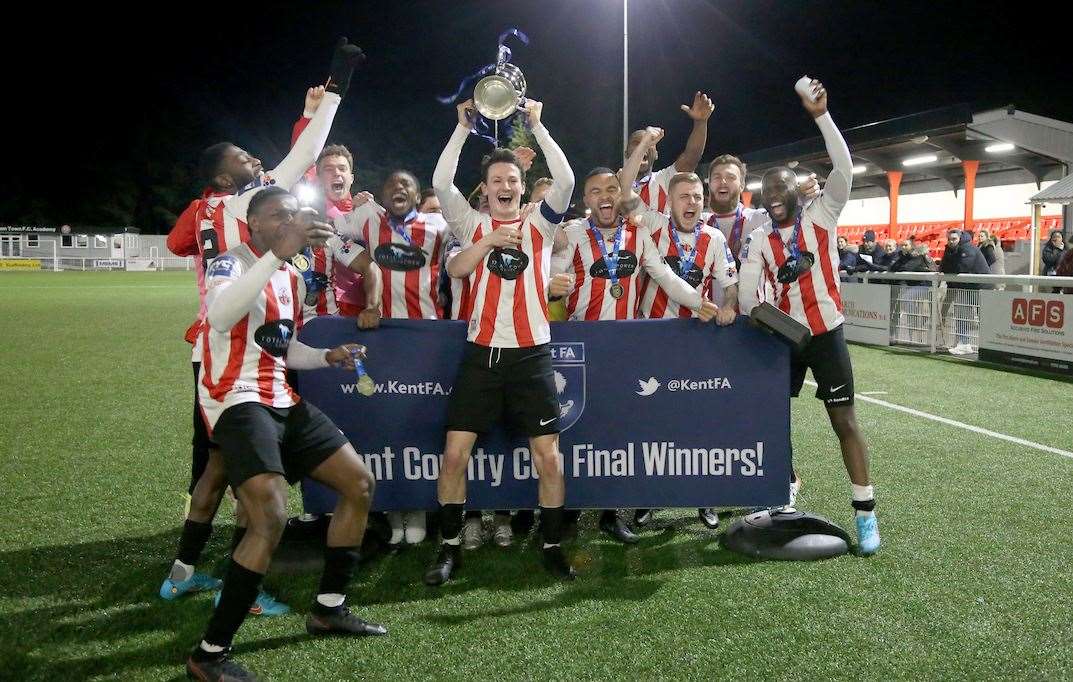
[[495, 97]]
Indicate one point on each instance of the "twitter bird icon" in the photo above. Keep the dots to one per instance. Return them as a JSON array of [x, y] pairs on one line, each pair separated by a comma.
[[648, 387]]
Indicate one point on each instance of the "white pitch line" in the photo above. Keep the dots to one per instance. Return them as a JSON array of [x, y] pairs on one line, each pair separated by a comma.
[[961, 425], [101, 286]]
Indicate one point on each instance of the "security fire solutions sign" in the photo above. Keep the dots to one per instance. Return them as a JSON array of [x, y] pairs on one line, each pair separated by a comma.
[[1027, 330]]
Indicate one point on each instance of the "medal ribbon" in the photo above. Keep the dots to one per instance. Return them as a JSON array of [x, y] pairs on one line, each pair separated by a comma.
[[685, 263], [611, 260]]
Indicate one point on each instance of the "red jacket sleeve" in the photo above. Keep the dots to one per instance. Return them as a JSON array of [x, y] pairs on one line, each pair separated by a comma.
[[182, 240], [299, 126]]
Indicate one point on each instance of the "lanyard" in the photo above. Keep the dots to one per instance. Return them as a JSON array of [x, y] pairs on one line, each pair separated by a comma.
[[612, 260], [399, 227], [735, 231], [685, 262], [795, 250]]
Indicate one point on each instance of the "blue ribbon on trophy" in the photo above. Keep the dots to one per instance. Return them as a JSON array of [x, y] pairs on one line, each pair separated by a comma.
[[499, 92]]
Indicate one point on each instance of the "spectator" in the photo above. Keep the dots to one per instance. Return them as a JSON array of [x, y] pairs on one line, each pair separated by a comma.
[[991, 247], [1065, 269], [913, 258], [888, 255], [1052, 253], [868, 248], [850, 262], [961, 257]]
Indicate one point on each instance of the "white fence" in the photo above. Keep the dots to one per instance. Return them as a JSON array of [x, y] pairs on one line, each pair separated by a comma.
[[941, 313], [86, 264]]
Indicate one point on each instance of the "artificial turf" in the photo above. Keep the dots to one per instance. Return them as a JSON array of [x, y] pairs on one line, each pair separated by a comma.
[[973, 580]]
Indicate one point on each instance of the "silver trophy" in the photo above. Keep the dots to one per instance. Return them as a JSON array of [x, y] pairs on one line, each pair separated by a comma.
[[499, 95]]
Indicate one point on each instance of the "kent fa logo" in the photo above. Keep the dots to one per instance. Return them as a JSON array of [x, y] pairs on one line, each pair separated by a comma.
[[568, 363], [1038, 312]]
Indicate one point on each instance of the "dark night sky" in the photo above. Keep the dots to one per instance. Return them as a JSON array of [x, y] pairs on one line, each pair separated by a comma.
[[117, 135]]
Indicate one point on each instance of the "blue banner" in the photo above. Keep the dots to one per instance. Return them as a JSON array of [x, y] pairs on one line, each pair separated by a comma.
[[654, 413]]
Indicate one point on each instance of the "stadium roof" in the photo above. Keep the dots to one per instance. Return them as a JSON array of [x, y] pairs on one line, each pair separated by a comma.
[[1060, 192], [1042, 147]]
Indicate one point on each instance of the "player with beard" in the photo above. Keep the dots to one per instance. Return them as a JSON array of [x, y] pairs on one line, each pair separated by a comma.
[[795, 251], [726, 180], [235, 178], [652, 187], [609, 254], [506, 370]]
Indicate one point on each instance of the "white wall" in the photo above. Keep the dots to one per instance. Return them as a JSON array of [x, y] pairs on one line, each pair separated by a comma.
[[1005, 201]]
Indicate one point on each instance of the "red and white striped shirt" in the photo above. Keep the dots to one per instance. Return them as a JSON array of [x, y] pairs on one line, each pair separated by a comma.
[[410, 269], [713, 266], [461, 303], [236, 366], [591, 298], [813, 299], [336, 252], [654, 188], [734, 225], [508, 295]]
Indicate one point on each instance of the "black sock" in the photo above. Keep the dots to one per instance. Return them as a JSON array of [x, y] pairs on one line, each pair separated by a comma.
[[236, 537], [864, 505], [552, 518], [193, 540], [241, 586], [608, 515], [339, 565], [450, 521]]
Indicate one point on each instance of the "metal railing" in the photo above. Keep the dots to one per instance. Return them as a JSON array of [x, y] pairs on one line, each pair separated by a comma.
[[941, 313]]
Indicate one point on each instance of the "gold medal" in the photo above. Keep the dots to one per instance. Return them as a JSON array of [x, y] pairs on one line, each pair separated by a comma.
[[300, 262], [617, 290], [366, 387]]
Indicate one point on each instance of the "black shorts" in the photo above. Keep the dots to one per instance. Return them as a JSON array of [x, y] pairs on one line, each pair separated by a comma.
[[515, 384], [828, 357], [290, 441], [200, 443]]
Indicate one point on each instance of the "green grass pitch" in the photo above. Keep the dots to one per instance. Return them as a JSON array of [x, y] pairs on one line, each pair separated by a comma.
[[973, 581]]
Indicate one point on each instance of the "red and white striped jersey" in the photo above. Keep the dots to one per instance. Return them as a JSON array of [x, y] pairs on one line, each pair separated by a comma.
[[461, 301], [336, 252], [813, 299], [247, 363], [713, 266], [734, 225], [508, 296], [591, 298], [410, 265], [654, 188]]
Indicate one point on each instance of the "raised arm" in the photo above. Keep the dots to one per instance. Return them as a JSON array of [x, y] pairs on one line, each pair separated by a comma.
[[562, 185], [457, 212], [700, 112], [840, 181], [629, 202]]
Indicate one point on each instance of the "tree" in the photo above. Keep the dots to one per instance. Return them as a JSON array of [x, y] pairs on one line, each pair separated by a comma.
[[522, 136]]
